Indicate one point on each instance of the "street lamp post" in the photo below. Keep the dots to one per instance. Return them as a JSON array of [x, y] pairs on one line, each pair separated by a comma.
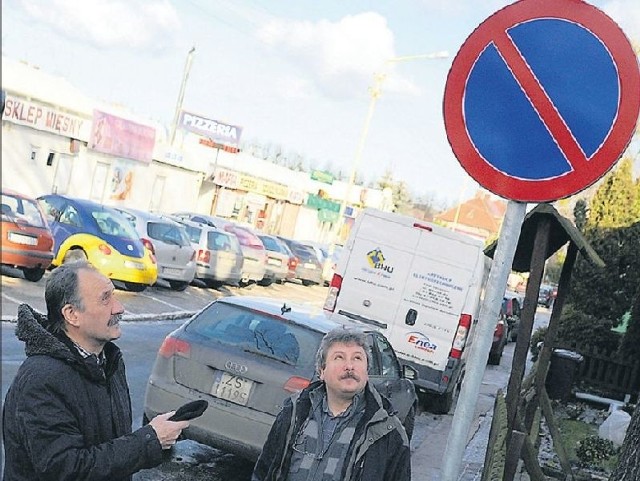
[[374, 92]]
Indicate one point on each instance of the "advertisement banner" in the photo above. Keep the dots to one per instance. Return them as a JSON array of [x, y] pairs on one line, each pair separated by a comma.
[[121, 137], [122, 176], [49, 119], [211, 129]]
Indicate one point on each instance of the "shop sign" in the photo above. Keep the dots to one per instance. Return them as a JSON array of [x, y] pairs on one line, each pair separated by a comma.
[[211, 129], [318, 202], [227, 178], [322, 176], [121, 137], [48, 119], [236, 180]]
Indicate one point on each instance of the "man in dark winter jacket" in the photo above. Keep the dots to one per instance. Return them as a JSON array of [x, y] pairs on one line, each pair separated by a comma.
[[67, 414], [339, 428]]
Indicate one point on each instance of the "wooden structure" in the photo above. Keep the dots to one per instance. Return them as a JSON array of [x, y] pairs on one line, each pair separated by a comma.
[[543, 232]]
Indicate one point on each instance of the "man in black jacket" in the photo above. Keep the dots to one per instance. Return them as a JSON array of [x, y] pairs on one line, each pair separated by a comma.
[[67, 414], [339, 428]]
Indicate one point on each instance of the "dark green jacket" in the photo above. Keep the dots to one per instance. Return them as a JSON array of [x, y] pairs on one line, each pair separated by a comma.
[[64, 420]]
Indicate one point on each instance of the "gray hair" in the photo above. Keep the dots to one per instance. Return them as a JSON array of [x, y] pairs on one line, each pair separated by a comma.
[[62, 288], [343, 335]]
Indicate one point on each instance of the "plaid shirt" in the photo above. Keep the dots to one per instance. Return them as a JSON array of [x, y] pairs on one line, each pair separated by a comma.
[[100, 358]]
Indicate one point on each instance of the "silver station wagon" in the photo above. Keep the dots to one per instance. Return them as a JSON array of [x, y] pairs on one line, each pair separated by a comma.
[[245, 356]]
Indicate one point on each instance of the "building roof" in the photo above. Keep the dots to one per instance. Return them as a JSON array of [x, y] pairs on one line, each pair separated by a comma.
[[481, 213]]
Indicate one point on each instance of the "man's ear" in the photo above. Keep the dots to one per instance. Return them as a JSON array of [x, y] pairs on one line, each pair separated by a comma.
[[70, 314]]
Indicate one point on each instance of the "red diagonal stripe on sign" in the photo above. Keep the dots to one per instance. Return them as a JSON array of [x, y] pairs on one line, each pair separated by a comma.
[[540, 101]]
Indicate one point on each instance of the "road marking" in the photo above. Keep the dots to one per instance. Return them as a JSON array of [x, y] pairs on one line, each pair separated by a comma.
[[178, 308], [12, 299]]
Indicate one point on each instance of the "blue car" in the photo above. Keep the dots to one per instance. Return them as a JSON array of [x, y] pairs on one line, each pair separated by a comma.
[[83, 229]]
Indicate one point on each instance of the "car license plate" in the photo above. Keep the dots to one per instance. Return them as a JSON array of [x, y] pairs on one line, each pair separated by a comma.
[[231, 388], [309, 265], [171, 271], [274, 262], [134, 265], [23, 239]]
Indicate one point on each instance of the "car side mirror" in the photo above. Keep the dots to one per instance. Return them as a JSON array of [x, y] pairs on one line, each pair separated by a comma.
[[409, 372]]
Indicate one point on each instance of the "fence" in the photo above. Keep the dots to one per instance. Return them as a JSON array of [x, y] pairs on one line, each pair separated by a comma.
[[608, 372]]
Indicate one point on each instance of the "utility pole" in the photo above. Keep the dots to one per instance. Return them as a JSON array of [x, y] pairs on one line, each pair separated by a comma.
[[185, 76]]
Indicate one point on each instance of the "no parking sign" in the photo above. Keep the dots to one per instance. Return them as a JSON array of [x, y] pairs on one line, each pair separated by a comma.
[[542, 99]]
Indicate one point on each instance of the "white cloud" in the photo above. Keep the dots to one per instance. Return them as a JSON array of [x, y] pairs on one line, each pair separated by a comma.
[[133, 24], [339, 57]]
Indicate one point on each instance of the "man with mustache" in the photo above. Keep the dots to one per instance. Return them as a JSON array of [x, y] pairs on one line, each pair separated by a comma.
[[338, 428], [67, 414]]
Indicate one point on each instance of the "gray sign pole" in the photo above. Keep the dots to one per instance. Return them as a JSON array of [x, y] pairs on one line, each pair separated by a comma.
[[477, 361]]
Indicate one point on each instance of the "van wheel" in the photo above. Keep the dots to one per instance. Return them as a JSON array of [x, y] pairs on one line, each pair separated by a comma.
[[410, 421], [441, 404], [33, 274]]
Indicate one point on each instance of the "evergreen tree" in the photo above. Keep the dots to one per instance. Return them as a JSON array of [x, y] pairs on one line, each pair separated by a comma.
[[614, 204]]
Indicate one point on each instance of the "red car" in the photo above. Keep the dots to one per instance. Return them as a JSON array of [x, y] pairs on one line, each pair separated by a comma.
[[27, 243]]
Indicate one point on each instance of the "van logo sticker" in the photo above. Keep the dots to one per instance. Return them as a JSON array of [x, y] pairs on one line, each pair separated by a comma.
[[377, 261], [422, 342]]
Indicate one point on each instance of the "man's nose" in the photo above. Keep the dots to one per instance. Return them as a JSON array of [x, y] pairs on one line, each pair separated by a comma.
[[118, 308]]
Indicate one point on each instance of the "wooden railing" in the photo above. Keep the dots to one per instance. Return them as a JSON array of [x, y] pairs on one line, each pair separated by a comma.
[[606, 371]]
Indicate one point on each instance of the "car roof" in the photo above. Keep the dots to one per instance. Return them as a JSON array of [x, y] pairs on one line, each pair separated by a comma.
[[315, 318], [147, 215], [200, 225], [84, 203]]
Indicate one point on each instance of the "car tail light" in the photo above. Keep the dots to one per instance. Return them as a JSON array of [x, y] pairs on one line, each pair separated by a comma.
[[334, 292], [149, 245], [461, 336], [293, 262], [172, 346], [296, 384], [204, 255], [105, 249]]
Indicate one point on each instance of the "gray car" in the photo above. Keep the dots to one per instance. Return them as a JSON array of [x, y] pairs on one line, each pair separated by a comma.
[[245, 356], [168, 241], [219, 256]]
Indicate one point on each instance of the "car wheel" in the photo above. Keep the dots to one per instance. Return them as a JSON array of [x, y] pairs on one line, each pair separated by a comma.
[[307, 283], [265, 282], [74, 255], [410, 421], [33, 274], [178, 285], [494, 357], [135, 286]]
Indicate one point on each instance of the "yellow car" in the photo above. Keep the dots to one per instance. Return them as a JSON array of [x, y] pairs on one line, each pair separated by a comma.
[[83, 229]]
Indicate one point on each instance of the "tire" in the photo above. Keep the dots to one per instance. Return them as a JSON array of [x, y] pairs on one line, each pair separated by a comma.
[[135, 286], [442, 404], [410, 422], [307, 283], [33, 274], [73, 255], [265, 282], [178, 285]]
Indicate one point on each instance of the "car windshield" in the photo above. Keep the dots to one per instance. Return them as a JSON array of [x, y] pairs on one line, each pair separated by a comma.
[[258, 333], [19, 209], [110, 223], [168, 233]]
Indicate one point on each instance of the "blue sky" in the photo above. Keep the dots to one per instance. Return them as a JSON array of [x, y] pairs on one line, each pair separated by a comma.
[[293, 73]]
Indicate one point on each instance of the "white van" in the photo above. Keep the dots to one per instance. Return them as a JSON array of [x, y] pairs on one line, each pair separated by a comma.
[[421, 285]]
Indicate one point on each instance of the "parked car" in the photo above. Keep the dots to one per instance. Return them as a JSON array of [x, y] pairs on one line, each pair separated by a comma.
[[327, 260], [200, 218], [27, 242], [168, 241], [245, 355], [293, 260], [308, 268], [83, 229], [500, 336], [219, 256], [254, 266], [511, 310], [547, 294], [277, 260]]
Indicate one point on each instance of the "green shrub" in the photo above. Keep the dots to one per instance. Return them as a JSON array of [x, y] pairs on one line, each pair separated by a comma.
[[594, 449]]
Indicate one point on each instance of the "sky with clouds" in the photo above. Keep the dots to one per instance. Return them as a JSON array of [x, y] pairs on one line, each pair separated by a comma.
[[292, 73]]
